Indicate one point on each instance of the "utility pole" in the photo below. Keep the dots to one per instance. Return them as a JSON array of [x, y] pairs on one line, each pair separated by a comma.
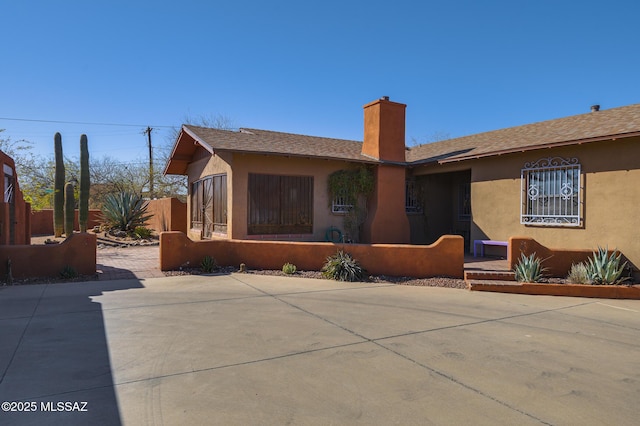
[[148, 133]]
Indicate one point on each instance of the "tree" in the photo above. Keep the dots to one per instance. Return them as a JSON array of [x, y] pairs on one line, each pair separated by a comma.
[[19, 150], [108, 175], [436, 136]]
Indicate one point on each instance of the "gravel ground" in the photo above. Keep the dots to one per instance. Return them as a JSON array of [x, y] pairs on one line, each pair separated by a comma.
[[382, 279]]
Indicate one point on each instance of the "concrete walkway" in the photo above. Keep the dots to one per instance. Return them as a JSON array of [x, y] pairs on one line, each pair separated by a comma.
[[119, 263], [244, 349]]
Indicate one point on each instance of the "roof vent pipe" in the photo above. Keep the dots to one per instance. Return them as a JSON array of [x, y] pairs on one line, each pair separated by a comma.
[[595, 108]]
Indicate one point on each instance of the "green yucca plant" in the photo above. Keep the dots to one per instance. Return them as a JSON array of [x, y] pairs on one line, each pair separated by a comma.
[[342, 267], [124, 211], [529, 269], [605, 268]]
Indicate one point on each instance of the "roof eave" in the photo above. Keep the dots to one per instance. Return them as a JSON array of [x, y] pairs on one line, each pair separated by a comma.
[[177, 163], [291, 154], [536, 147]]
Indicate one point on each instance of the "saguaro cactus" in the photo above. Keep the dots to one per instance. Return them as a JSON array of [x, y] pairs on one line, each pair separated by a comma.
[[58, 194], [83, 203], [69, 209]]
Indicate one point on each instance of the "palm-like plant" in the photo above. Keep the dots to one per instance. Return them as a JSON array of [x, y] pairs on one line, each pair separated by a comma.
[[124, 211]]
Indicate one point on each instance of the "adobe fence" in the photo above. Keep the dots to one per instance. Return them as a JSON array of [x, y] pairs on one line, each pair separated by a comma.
[[445, 257], [27, 261], [558, 261], [42, 221]]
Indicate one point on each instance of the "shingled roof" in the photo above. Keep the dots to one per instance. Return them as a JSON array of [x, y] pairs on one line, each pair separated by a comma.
[[255, 141], [267, 142], [594, 126]]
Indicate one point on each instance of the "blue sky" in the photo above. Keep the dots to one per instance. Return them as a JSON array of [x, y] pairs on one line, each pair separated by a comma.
[[462, 67]]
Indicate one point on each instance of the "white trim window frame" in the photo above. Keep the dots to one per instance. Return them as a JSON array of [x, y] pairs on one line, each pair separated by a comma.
[[339, 205], [551, 192]]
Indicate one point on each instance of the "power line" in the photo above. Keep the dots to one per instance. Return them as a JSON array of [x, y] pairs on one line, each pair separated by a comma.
[[80, 122], [148, 133]]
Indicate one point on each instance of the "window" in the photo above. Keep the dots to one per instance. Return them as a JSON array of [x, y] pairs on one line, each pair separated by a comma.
[[196, 205], [411, 200], [464, 201], [280, 204], [550, 192], [209, 205], [340, 204], [9, 182]]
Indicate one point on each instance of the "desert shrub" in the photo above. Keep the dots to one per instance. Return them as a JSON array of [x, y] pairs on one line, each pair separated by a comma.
[[142, 232], [68, 272], [604, 268], [289, 268], [529, 269], [208, 264], [342, 267], [124, 211], [579, 274]]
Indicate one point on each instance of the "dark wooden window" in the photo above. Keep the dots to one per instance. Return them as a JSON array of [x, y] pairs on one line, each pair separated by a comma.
[[196, 205], [280, 204], [209, 205]]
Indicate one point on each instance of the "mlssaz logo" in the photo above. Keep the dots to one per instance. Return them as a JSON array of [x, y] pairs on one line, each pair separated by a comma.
[[63, 406]]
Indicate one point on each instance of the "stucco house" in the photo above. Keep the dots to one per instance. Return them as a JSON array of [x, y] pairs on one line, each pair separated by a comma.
[[571, 183], [15, 213]]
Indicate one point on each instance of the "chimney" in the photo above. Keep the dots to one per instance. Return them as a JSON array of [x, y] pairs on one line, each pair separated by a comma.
[[595, 108], [384, 130], [387, 221]]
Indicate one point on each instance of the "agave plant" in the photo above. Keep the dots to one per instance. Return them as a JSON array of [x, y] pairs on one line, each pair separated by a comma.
[[605, 268], [529, 269], [124, 211], [342, 267]]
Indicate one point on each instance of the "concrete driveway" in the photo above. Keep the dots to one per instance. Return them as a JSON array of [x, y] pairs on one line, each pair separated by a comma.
[[256, 350]]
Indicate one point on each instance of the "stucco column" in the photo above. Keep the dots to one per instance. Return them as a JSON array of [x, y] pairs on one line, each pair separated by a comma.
[[387, 221]]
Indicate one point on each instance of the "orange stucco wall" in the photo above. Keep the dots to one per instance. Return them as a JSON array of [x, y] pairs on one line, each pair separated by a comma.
[[77, 251], [238, 181], [558, 261], [42, 221], [443, 258], [205, 164], [168, 214]]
